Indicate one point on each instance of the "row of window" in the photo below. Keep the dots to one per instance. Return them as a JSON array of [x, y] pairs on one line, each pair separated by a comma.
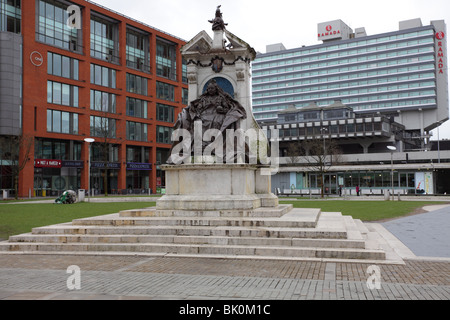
[[102, 127], [359, 83], [62, 66], [103, 76], [317, 73], [359, 54], [347, 95], [368, 127], [71, 150], [262, 113], [352, 44], [67, 95], [344, 92], [61, 93], [375, 61], [369, 179], [103, 101]]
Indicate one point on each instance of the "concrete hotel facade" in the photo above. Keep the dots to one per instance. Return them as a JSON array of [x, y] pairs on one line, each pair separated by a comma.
[[403, 74], [111, 78]]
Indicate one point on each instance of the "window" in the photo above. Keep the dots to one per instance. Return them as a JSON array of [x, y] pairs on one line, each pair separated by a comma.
[[103, 101], [136, 108], [53, 28], [184, 72], [165, 91], [136, 84], [103, 76], [57, 149], [103, 127], [164, 134], [62, 66], [61, 93], [166, 64], [138, 154], [62, 122], [165, 113], [185, 96], [136, 131], [10, 15], [138, 50], [104, 39]]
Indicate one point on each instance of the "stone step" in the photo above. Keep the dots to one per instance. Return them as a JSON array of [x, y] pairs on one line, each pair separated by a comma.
[[229, 231], [214, 240], [293, 219], [262, 212], [331, 253]]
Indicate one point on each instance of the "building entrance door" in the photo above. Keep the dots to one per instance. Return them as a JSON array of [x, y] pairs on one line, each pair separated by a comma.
[[330, 183]]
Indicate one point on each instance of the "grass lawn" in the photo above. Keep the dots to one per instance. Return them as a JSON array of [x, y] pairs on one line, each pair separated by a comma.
[[364, 210], [21, 218]]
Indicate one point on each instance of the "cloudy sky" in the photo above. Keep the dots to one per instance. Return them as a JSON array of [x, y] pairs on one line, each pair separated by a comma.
[[291, 22]]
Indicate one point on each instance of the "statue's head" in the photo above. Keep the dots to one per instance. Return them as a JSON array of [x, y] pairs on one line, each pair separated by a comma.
[[212, 88]]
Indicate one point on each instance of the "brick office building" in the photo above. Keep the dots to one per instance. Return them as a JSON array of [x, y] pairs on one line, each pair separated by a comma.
[[112, 79]]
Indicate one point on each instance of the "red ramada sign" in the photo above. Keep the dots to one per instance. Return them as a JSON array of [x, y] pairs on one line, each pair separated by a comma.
[[440, 52], [330, 32]]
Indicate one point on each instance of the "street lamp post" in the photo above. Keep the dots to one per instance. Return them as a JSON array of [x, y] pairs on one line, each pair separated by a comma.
[[392, 149], [89, 140]]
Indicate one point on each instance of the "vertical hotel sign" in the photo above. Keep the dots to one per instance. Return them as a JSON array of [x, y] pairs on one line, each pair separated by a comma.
[[440, 59]]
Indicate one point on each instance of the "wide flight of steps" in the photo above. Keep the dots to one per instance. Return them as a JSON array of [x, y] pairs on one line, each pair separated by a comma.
[[271, 233]]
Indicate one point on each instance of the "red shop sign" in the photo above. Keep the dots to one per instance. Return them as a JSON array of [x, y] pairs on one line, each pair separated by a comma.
[[42, 163]]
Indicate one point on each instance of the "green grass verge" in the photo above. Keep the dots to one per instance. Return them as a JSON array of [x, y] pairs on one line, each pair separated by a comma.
[[364, 210], [21, 218]]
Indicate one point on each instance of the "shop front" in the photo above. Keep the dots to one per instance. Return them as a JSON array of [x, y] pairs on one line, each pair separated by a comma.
[[100, 170], [370, 182], [138, 178], [52, 177]]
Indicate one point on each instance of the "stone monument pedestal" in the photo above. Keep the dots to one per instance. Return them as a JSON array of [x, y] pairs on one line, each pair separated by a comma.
[[216, 187]]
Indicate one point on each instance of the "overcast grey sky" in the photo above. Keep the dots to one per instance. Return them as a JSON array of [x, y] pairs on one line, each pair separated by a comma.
[[291, 22]]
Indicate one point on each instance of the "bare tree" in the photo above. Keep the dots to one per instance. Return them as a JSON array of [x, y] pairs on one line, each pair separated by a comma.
[[105, 131], [11, 147], [319, 156]]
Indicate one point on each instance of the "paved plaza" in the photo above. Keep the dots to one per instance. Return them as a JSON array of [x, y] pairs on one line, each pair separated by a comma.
[[47, 277]]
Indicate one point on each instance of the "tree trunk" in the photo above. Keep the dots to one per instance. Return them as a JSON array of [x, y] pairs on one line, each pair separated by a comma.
[[323, 186], [16, 186], [105, 182]]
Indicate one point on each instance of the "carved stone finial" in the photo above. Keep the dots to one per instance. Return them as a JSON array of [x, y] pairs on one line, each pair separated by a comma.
[[218, 23]]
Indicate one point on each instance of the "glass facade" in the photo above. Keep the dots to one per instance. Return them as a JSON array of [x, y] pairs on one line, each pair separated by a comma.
[[10, 15], [103, 76], [390, 71], [62, 66], [165, 91], [165, 113], [103, 127], [52, 26], [104, 39], [103, 101], [138, 56], [136, 131], [62, 122], [166, 64], [61, 93], [136, 84], [137, 108]]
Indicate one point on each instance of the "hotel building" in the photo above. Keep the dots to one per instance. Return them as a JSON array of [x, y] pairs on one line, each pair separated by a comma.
[[361, 93], [403, 74]]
